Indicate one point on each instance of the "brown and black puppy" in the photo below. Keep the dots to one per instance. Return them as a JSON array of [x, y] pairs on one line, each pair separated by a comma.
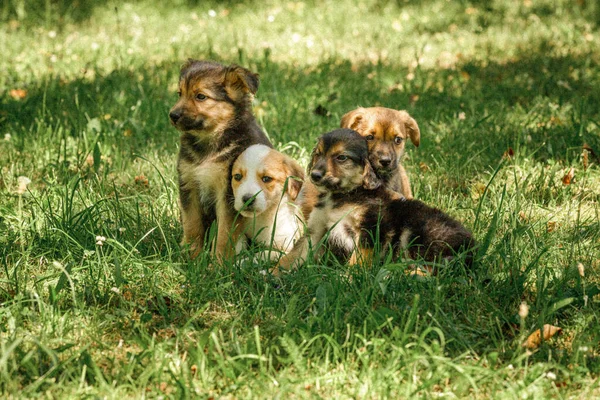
[[386, 131], [215, 118], [358, 214]]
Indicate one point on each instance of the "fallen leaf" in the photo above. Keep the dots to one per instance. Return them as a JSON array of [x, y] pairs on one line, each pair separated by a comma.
[[424, 167], [508, 154], [127, 133], [141, 180], [523, 216], [535, 339], [566, 180], [413, 98], [551, 226], [585, 159], [18, 94]]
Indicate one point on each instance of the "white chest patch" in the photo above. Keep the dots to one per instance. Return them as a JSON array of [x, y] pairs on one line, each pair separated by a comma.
[[341, 223]]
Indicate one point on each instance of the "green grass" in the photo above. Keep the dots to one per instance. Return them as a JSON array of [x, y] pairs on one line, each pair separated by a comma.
[[135, 317]]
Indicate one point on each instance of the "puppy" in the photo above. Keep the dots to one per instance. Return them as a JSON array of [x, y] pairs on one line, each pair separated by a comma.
[[386, 131], [265, 184], [358, 214], [215, 118]]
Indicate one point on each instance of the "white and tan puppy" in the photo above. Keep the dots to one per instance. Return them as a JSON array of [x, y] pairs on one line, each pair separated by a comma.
[[266, 184]]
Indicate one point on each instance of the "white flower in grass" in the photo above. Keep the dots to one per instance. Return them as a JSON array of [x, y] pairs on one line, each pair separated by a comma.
[[7, 137], [22, 181], [115, 290], [52, 34], [523, 310], [462, 116], [581, 269], [100, 240], [212, 13], [551, 376]]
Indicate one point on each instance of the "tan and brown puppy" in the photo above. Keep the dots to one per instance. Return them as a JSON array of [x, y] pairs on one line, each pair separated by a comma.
[[386, 131], [357, 217], [215, 118], [266, 185]]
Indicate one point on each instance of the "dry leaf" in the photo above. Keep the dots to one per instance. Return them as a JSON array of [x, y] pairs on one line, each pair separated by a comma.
[[508, 154], [535, 339], [523, 216], [585, 159], [413, 98], [18, 94], [566, 180], [424, 167], [141, 180], [551, 226]]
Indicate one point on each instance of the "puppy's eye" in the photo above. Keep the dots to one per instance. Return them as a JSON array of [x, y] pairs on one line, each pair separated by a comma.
[[341, 158], [370, 137], [237, 177], [397, 140], [200, 97], [266, 179]]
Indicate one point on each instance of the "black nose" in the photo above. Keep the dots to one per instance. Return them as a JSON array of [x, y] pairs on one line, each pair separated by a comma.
[[385, 161], [248, 200], [316, 176], [175, 115]]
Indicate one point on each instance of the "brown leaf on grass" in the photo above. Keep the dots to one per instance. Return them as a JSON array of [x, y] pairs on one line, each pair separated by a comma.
[[585, 159], [566, 180], [424, 167], [413, 98], [508, 154], [535, 339], [551, 226], [588, 148], [141, 180], [18, 94]]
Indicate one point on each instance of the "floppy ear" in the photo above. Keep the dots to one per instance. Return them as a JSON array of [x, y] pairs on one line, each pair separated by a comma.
[[370, 179], [295, 175], [411, 127], [352, 119], [312, 157], [240, 80]]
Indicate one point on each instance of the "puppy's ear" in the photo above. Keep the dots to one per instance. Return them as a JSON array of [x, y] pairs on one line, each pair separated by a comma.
[[239, 80], [295, 175], [411, 127], [352, 119], [370, 179], [311, 163]]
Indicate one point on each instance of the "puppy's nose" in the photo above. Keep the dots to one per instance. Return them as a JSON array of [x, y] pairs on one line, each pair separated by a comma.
[[175, 115], [385, 161], [248, 200], [316, 176]]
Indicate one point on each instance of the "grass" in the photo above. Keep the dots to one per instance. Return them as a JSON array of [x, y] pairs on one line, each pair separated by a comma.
[[507, 96]]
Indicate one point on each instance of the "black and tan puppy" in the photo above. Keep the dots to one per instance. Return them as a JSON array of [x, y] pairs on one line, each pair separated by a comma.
[[386, 131], [358, 213], [215, 118]]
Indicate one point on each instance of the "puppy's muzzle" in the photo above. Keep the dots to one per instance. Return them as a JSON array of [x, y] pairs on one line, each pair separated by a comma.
[[316, 176], [248, 200], [174, 116]]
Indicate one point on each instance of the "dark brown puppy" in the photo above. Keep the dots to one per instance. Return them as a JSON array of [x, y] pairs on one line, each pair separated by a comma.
[[215, 118], [386, 131], [358, 213]]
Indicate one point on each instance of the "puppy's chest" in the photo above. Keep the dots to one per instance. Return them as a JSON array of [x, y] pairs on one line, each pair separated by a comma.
[[343, 224], [209, 175]]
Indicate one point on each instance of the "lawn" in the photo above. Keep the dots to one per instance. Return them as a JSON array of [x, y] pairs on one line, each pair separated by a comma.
[[98, 298]]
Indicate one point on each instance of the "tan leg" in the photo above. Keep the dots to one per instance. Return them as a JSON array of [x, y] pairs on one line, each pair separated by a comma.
[[191, 219], [361, 256], [228, 234], [294, 258]]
